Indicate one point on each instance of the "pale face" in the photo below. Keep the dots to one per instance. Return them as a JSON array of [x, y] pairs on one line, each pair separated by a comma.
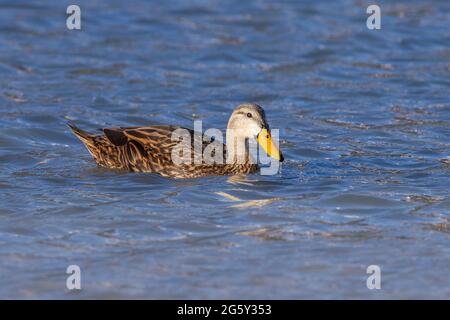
[[249, 119]]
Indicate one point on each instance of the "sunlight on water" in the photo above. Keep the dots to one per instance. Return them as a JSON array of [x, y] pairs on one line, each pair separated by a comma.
[[364, 119]]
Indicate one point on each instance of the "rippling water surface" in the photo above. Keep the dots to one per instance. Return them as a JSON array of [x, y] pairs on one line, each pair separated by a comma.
[[365, 128]]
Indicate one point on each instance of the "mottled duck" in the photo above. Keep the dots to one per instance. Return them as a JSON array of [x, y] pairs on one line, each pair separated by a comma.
[[166, 150]]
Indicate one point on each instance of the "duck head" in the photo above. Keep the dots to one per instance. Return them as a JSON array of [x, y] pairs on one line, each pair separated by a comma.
[[249, 121]]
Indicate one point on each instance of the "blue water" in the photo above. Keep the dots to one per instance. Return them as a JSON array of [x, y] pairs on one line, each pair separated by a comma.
[[364, 117]]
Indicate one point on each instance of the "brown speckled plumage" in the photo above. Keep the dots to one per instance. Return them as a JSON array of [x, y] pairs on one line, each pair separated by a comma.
[[149, 149]]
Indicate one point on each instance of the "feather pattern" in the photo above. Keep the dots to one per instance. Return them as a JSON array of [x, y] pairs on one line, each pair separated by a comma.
[[149, 149]]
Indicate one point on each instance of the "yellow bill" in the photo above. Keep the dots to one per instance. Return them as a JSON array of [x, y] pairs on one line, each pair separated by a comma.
[[266, 142]]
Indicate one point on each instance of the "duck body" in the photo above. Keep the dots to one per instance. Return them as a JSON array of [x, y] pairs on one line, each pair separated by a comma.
[[149, 149]]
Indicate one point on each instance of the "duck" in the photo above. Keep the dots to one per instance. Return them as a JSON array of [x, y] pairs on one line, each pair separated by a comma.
[[178, 152]]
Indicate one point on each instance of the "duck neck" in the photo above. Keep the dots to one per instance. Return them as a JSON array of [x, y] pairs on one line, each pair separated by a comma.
[[237, 148]]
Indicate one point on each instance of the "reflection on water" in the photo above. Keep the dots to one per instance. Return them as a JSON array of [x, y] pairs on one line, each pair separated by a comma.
[[364, 120]]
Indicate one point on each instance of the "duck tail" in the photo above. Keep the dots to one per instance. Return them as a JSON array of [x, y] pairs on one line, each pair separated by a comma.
[[85, 137]]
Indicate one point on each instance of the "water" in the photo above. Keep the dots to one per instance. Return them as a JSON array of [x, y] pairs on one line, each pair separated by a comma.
[[365, 126]]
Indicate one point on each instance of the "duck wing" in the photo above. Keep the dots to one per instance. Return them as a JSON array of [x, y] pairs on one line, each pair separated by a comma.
[[150, 148]]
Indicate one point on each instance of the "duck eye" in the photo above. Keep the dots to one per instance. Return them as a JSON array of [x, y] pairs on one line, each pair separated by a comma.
[[249, 115]]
